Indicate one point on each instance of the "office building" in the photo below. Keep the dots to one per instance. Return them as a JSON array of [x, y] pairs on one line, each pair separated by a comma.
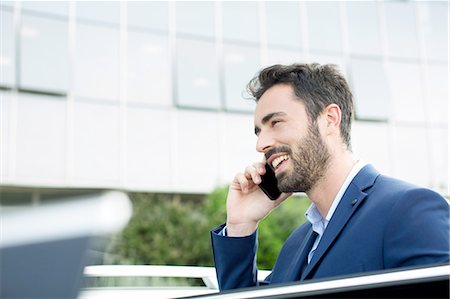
[[149, 96]]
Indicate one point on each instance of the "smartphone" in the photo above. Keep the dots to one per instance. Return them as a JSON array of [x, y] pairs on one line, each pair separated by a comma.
[[269, 184]]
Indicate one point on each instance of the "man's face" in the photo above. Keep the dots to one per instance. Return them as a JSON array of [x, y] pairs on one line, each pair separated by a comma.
[[292, 145]]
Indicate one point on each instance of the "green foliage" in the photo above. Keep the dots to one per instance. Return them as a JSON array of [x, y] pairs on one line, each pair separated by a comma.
[[164, 229], [174, 229], [277, 227]]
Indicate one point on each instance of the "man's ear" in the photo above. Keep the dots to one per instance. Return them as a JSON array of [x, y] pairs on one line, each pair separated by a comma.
[[332, 114]]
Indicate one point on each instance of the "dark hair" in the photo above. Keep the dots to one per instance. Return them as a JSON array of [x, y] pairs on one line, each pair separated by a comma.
[[316, 85]]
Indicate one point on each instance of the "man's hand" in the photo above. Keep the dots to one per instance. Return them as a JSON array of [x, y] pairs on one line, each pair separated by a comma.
[[247, 204]]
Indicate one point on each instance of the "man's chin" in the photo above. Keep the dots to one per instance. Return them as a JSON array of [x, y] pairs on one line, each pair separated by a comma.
[[291, 189], [285, 183], [282, 176], [289, 184]]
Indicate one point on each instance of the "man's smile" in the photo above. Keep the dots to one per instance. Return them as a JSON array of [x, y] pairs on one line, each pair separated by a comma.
[[276, 161], [279, 160]]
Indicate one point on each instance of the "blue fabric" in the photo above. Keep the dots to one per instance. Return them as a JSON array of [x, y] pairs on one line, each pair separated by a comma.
[[236, 255], [392, 224]]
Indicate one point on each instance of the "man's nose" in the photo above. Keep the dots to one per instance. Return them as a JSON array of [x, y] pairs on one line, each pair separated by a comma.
[[264, 142]]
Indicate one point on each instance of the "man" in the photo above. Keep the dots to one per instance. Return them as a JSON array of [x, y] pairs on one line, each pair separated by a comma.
[[359, 220]]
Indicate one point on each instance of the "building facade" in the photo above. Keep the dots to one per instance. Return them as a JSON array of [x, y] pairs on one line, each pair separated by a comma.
[[149, 96]]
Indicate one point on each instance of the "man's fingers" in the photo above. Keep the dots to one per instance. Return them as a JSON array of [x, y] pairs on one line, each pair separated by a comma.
[[242, 180], [260, 167], [251, 172], [250, 177]]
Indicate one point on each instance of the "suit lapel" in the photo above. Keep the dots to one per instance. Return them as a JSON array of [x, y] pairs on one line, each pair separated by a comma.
[[296, 266], [350, 201]]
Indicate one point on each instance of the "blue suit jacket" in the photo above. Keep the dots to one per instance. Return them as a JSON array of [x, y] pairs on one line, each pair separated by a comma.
[[380, 223]]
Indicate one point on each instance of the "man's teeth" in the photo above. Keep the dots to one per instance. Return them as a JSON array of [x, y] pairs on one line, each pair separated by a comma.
[[278, 160]]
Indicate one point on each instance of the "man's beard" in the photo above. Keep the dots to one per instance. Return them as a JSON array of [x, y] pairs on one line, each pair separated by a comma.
[[310, 161]]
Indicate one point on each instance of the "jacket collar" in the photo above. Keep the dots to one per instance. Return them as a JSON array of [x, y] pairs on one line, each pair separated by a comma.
[[352, 198]]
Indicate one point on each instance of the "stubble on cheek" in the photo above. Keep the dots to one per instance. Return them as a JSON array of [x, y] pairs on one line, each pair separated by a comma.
[[309, 160]]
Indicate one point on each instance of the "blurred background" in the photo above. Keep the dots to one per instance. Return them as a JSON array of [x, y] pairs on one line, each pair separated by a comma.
[[148, 97]]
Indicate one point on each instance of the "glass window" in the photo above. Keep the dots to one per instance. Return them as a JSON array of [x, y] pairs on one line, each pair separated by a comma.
[[324, 26], [144, 126], [148, 73], [371, 94], [277, 56], [195, 17], [378, 155], [41, 138], [434, 24], [411, 155], [59, 8], [329, 59], [437, 93], [283, 23], [406, 91], [439, 158], [238, 144], [148, 14], [44, 54], [7, 52], [198, 139], [5, 120], [97, 62], [99, 11], [7, 3], [401, 29], [241, 65], [240, 21], [197, 74], [363, 27], [96, 143]]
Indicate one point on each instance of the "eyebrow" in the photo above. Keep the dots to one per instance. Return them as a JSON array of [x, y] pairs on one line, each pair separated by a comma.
[[267, 118]]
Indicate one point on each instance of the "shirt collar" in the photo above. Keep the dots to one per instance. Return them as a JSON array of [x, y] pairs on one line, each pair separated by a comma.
[[313, 215], [315, 218]]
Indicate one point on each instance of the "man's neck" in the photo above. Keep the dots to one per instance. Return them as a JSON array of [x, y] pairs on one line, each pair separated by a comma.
[[325, 191]]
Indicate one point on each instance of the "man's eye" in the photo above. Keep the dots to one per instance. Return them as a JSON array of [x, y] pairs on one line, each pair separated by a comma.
[[274, 122]]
